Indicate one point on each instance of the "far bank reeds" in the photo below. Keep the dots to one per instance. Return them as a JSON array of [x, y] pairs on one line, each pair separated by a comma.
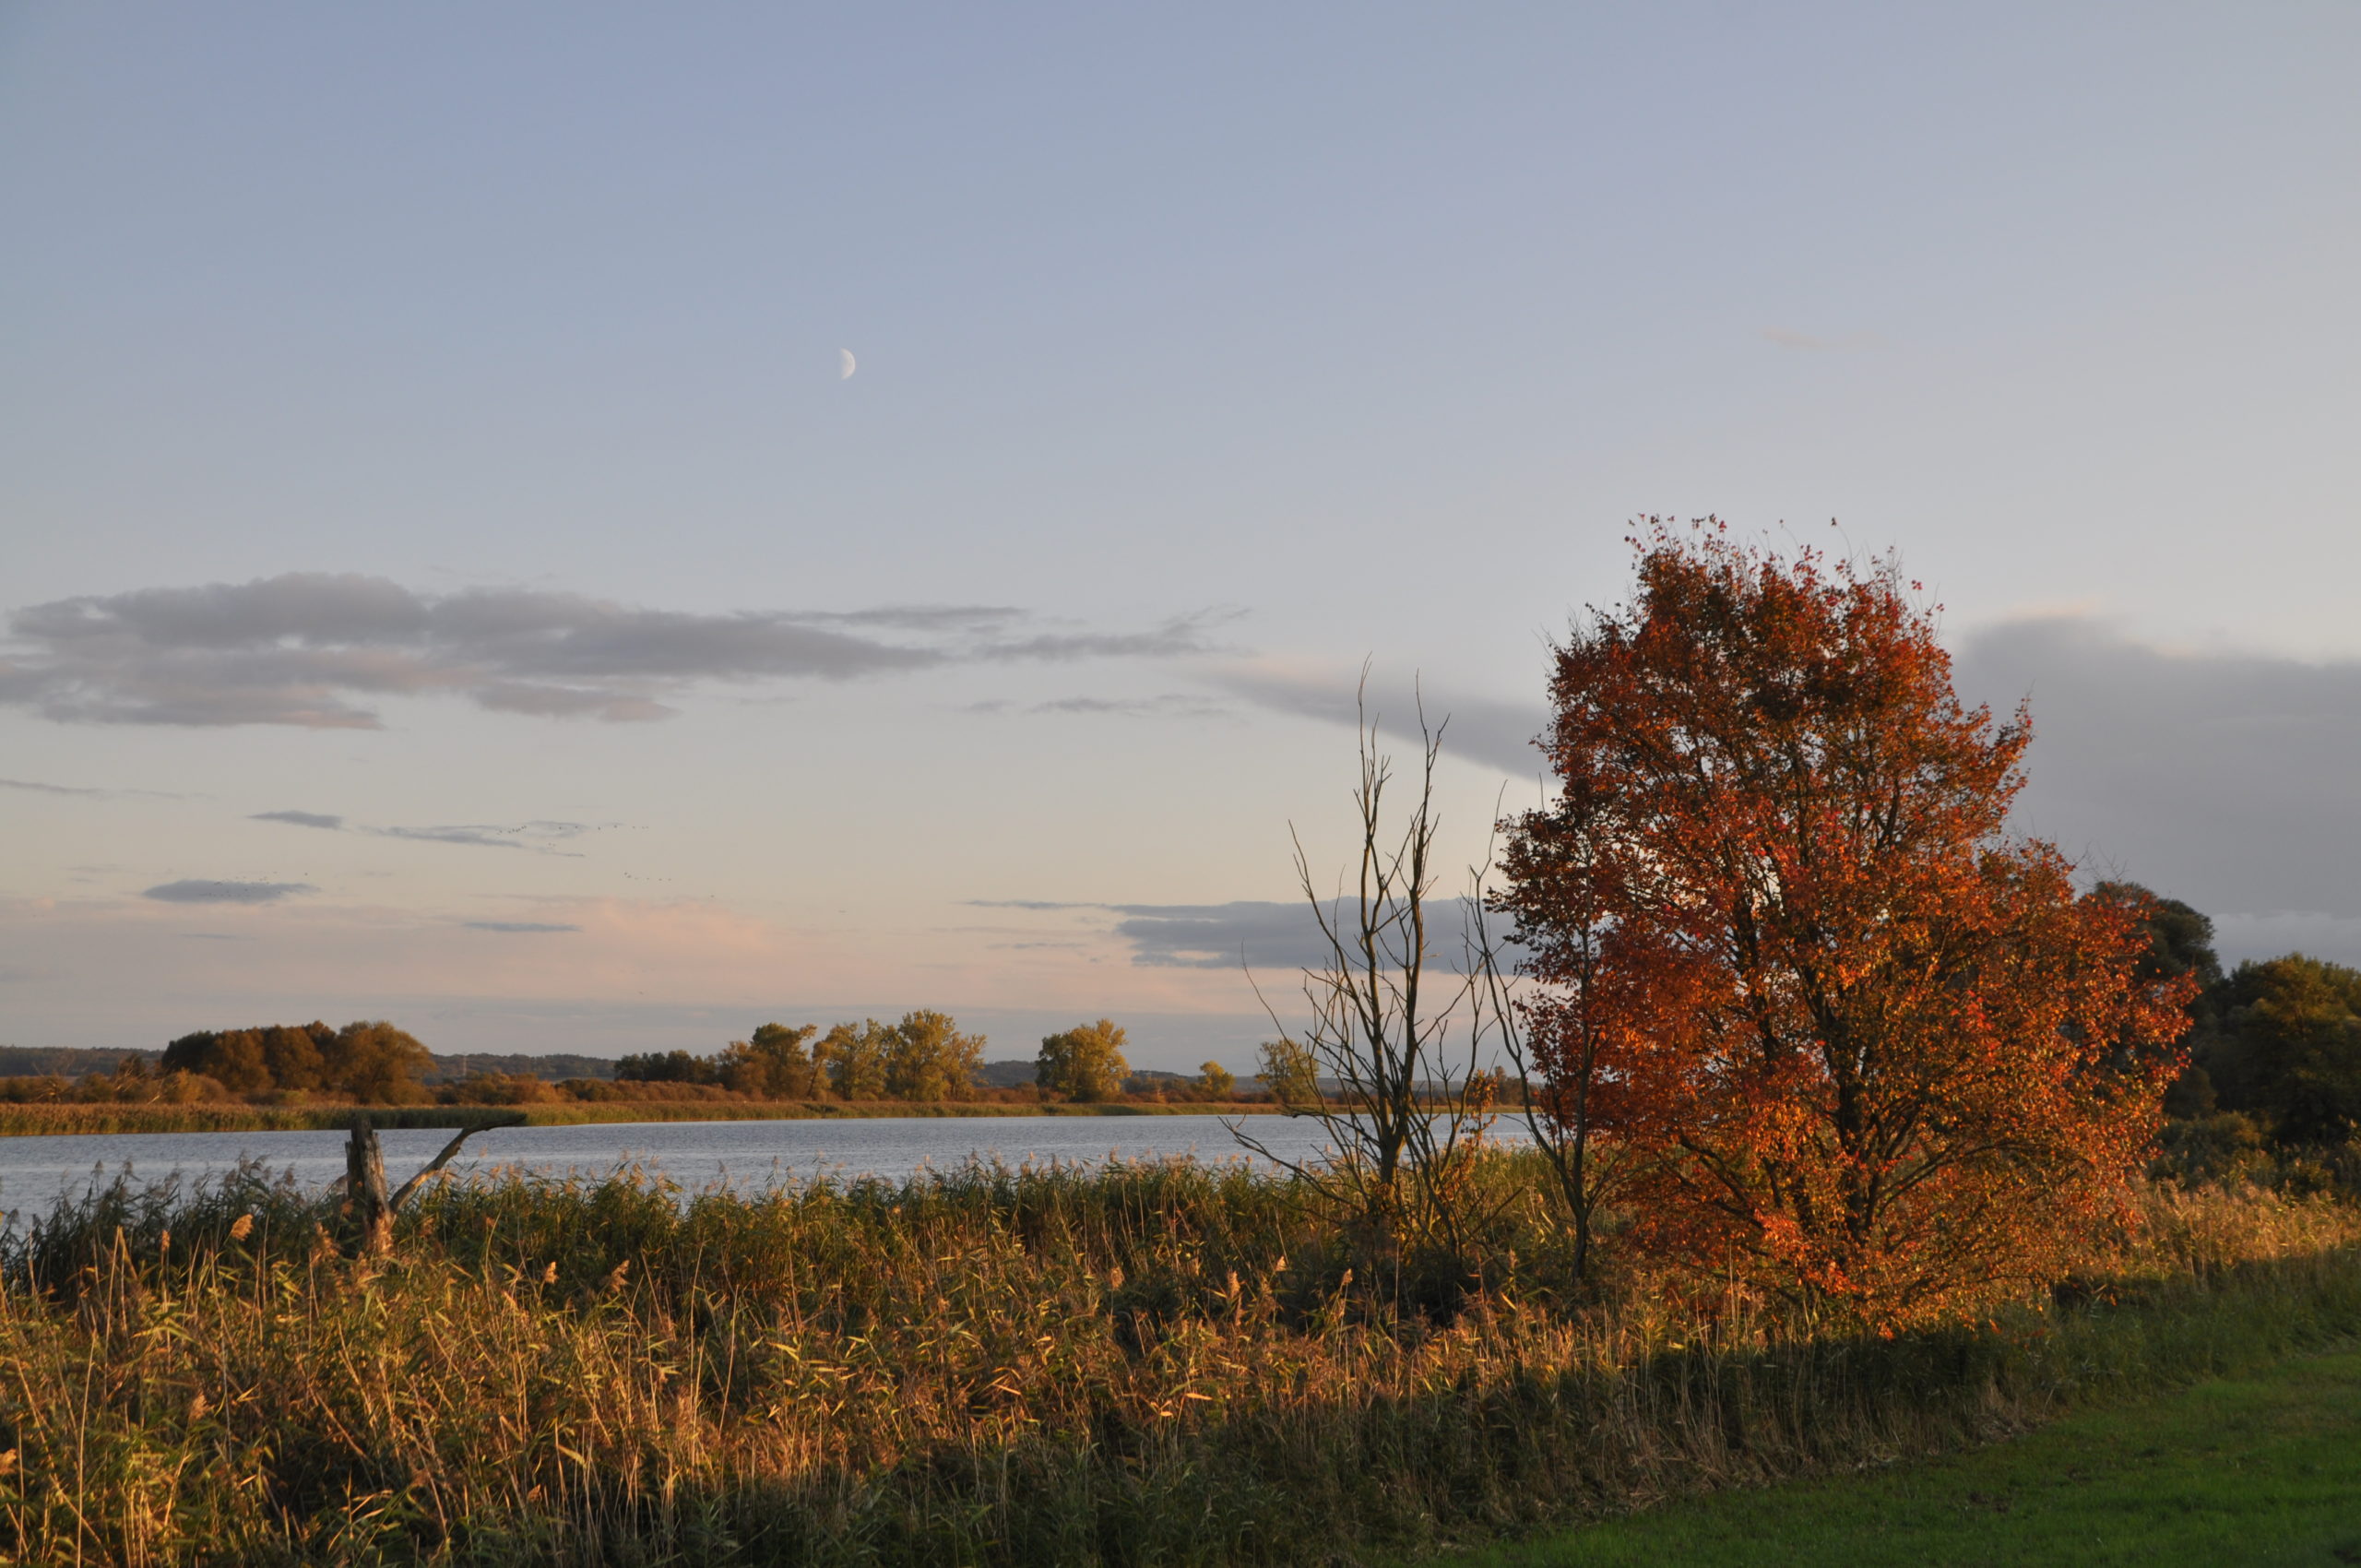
[[52, 1119], [1147, 1365]]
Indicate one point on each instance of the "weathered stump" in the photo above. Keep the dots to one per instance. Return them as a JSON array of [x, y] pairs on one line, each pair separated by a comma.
[[364, 1188]]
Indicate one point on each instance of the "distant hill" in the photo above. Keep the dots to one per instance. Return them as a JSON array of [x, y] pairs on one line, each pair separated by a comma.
[[550, 1069], [64, 1062], [1012, 1072]]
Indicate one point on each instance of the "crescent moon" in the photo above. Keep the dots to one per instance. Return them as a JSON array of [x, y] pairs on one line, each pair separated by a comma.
[[845, 370]]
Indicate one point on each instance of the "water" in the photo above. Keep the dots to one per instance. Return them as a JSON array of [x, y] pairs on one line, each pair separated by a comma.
[[35, 1171]]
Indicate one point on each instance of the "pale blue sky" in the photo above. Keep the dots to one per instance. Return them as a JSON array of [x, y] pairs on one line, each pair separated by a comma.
[[1227, 345]]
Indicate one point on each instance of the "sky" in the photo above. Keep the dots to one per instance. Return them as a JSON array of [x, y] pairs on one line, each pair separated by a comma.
[[447, 574]]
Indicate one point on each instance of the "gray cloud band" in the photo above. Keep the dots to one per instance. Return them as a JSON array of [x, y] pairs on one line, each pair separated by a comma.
[[80, 791], [536, 835], [311, 650], [1498, 734], [201, 892], [2223, 779], [1276, 935]]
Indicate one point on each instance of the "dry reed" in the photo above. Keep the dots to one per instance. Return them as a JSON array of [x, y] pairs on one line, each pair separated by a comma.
[[1149, 1364]]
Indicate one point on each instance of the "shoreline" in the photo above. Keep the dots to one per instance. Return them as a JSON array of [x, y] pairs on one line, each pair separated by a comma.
[[77, 1119]]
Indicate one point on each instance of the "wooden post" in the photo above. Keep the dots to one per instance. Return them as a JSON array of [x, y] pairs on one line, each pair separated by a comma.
[[364, 1186]]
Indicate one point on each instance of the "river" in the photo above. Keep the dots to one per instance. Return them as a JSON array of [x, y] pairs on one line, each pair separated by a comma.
[[34, 1171]]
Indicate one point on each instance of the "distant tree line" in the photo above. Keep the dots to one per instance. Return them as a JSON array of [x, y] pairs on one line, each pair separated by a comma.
[[925, 1057], [373, 1062]]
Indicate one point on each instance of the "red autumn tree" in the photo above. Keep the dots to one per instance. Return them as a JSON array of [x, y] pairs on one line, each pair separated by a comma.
[[1803, 1005]]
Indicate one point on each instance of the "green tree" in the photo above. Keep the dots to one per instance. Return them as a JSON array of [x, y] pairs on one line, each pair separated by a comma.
[[1217, 1081], [2289, 1047], [2180, 939], [665, 1067], [1086, 1062], [292, 1054], [773, 1065], [2180, 942], [1291, 1072], [927, 1058], [376, 1063], [853, 1056], [232, 1058]]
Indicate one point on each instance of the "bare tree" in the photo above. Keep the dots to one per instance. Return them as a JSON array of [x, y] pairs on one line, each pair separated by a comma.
[[1403, 1100], [1552, 1043]]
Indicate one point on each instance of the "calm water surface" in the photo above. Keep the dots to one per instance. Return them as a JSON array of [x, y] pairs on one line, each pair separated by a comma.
[[35, 1171]]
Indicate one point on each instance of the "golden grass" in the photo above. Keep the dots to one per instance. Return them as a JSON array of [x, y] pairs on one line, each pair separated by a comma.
[[1153, 1363]]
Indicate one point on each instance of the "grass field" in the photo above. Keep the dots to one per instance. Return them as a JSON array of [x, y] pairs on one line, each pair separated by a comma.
[[2259, 1470]]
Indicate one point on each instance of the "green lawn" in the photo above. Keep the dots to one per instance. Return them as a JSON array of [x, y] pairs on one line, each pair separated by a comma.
[[2259, 1470]]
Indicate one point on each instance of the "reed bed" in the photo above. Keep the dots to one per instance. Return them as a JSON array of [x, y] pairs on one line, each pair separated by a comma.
[[42, 1119], [1152, 1363]]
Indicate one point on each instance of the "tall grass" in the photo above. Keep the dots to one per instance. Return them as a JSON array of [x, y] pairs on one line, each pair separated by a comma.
[[1152, 1363]]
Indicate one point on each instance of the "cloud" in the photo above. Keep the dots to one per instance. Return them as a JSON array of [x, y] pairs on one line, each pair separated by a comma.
[[541, 835], [926, 617], [1481, 729], [317, 650], [1215, 936], [1202, 936], [2222, 777], [1170, 705], [34, 786], [534, 836], [477, 837], [28, 784], [518, 926], [1270, 934], [199, 892], [301, 819], [1180, 636]]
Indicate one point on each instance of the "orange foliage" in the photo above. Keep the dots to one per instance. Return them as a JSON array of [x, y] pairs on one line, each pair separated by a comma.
[[1831, 1031]]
